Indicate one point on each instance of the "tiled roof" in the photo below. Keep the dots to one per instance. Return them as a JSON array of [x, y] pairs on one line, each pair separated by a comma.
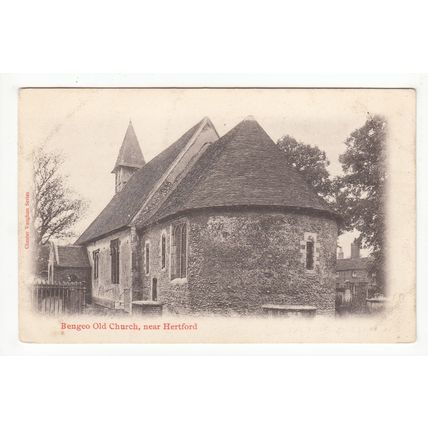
[[126, 203], [72, 256], [243, 168], [360, 263], [130, 151]]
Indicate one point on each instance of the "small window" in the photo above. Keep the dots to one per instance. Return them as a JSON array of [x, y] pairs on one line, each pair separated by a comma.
[[147, 257], [163, 251], [154, 289], [114, 256], [179, 251], [354, 274], [310, 255], [96, 257]]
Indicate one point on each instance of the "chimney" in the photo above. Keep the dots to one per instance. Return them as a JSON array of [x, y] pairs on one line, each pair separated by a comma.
[[355, 249], [339, 252]]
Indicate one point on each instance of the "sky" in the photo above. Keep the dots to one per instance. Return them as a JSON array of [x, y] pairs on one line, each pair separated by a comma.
[[88, 125]]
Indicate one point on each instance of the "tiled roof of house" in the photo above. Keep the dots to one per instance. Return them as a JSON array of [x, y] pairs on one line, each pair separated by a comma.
[[125, 204], [243, 168], [130, 151], [72, 256], [357, 263]]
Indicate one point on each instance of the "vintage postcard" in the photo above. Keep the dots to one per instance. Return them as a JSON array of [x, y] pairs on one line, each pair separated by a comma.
[[217, 215]]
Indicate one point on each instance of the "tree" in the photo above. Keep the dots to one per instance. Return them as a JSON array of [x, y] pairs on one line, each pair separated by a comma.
[[361, 190], [55, 208], [311, 162]]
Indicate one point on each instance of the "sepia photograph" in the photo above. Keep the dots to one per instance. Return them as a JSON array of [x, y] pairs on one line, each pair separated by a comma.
[[216, 215], [213, 214]]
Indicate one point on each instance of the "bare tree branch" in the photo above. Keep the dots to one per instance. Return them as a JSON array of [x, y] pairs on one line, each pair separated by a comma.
[[55, 207]]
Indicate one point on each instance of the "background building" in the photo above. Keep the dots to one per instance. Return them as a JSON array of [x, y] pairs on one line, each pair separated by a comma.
[[354, 281]]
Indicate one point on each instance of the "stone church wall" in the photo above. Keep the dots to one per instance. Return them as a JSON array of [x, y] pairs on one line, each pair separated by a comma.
[[238, 262], [174, 294], [104, 293]]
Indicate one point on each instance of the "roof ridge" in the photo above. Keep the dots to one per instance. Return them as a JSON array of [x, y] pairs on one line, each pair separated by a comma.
[[217, 145], [160, 153], [206, 120]]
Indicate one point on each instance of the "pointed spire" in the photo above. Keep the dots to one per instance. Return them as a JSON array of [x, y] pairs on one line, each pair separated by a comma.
[[130, 154]]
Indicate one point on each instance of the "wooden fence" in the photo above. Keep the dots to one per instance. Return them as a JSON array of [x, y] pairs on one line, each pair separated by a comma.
[[59, 297]]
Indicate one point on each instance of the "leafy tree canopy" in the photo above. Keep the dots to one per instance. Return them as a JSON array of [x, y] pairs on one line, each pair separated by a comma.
[[361, 188], [311, 162], [360, 191]]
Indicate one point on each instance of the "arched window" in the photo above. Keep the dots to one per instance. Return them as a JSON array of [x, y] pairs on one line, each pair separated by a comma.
[[147, 257], [163, 251], [96, 258], [114, 257], [154, 289], [179, 251]]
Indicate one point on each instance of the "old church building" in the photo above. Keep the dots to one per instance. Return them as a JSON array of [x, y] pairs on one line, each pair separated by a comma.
[[212, 226]]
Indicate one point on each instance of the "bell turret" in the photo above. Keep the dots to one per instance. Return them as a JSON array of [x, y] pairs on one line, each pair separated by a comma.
[[129, 159]]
